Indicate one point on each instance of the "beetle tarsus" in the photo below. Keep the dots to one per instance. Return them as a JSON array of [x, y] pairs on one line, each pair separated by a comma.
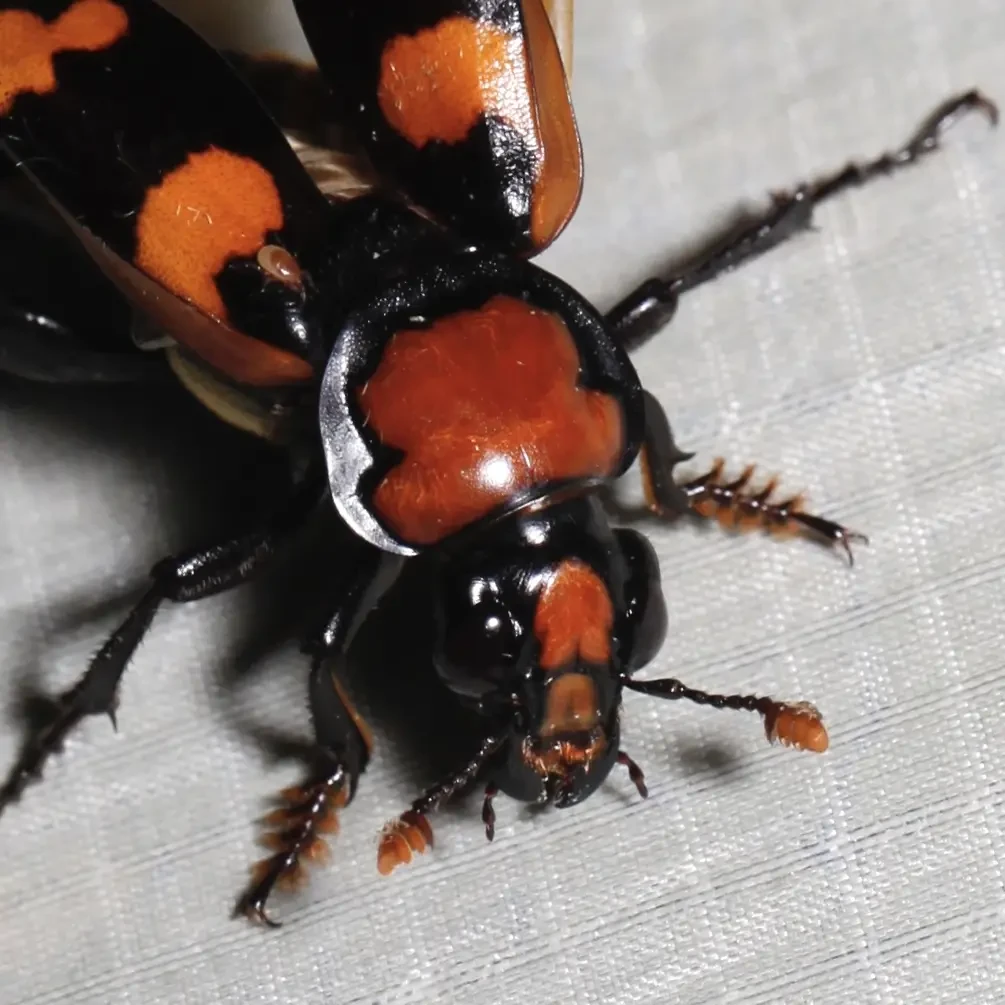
[[738, 506], [412, 832], [925, 140], [446, 789], [296, 833]]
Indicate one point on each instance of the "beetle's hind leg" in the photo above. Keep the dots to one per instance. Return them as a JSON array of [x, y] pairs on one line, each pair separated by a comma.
[[735, 504], [180, 579], [648, 308]]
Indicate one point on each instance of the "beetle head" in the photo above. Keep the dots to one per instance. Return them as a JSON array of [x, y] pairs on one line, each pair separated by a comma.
[[527, 637]]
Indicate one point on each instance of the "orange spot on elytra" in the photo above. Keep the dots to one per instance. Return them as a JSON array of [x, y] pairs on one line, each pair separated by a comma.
[[438, 83], [435, 85], [218, 205], [485, 404], [573, 619], [27, 44]]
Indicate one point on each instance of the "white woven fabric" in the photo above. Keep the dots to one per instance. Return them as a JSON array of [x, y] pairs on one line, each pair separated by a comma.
[[863, 362]]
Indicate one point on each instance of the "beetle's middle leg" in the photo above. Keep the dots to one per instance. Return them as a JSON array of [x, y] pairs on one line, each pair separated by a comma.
[[648, 308], [180, 579], [733, 503]]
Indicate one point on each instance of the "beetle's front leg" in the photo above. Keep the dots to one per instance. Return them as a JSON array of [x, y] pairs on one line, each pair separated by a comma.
[[649, 307], [343, 742], [180, 579], [733, 503]]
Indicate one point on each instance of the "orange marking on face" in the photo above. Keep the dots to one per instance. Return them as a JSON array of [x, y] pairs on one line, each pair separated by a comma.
[[571, 705], [218, 205], [435, 85], [574, 617], [485, 404], [27, 44]]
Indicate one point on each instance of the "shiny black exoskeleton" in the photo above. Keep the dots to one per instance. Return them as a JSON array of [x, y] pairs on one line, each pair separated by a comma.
[[487, 651], [446, 397]]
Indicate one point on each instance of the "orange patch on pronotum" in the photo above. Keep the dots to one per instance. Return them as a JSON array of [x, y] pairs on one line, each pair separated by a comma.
[[28, 43], [484, 404], [216, 206]]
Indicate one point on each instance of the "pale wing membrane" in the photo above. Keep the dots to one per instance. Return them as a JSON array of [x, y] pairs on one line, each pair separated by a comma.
[[296, 95]]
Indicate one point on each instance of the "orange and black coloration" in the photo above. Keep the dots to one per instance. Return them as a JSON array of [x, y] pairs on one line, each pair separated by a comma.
[[451, 399], [463, 104]]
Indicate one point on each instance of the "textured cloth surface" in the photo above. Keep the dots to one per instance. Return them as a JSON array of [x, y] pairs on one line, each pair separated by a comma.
[[864, 362]]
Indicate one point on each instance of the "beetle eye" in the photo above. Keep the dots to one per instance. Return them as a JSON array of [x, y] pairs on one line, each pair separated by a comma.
[[480, 650]]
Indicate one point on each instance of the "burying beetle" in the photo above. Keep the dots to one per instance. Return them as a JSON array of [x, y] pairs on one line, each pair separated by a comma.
[[376, 314]]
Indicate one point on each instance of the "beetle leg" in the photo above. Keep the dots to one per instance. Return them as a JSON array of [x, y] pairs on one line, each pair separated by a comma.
[[343, 743], [793, 724], [658, 457], [297, 827], [488, 812], [648, 308], [733, 503], [180, 579]]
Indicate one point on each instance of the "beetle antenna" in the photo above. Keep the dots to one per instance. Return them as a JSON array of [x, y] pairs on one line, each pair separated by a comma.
[[412, 831], [793, 724]]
